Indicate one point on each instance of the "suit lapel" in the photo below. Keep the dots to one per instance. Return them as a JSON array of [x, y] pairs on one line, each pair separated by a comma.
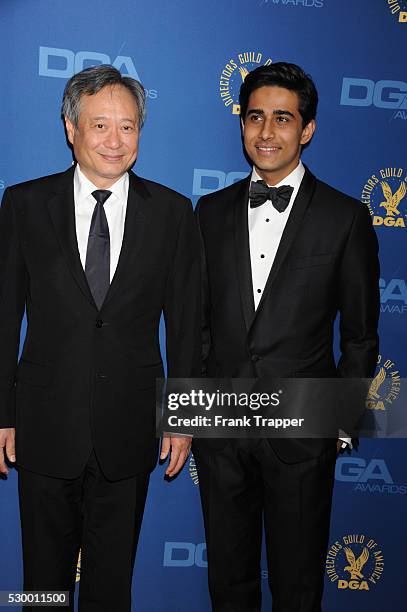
[[61, 208], [137, 215], [293, 225], [242, 250]]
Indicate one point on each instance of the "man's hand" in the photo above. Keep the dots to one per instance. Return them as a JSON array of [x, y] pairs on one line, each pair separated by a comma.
[[180, 447], [7, 437]]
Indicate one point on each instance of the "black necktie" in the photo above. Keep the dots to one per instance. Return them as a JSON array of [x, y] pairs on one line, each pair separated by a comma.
[[97, 266], [260, 192]]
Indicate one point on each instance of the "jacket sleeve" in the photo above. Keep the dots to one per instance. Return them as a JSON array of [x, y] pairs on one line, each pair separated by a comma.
[[359, 300], [205, 300], [182, 302], [13, 288]]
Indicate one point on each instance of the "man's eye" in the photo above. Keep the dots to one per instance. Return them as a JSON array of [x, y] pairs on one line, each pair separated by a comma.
[[281, 119], [100, 125], [128, 128]]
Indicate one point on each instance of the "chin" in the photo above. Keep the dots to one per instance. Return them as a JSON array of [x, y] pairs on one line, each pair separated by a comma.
[[264, 168], [112, 172]]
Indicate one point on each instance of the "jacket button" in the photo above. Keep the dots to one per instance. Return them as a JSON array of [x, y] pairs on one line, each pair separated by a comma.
[[99, 323], [255, 357], [100, 375]]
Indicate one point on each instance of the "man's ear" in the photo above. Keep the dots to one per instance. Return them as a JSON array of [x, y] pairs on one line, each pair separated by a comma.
[[70, 130], [308, 132], [242, 124]]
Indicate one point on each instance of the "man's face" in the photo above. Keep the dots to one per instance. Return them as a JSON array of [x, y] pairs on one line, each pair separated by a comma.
[[273, 132], [105, 143]]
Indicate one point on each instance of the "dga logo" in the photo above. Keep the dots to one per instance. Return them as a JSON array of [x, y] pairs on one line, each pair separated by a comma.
[[381, 94], [367, 476], [192, 470], [354, 562], [63, 63], [184, 554], [233, 75], [399, 9], [78, 568], [393, 296], [357, 469], [385, 195], [385, 387], [206, 181]]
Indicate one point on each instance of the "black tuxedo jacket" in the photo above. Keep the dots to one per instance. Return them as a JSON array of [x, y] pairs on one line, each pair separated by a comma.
[[326, 264], [86, 378]]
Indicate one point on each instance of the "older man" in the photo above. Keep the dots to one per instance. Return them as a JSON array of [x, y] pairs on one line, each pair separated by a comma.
[[94, 255]]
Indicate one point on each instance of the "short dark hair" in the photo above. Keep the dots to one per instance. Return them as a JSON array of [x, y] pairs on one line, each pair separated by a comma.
[[91, 80], [288, 76]]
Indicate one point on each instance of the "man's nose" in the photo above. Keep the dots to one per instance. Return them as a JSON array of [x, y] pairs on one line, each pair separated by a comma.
[[113, 138], [267, 130]]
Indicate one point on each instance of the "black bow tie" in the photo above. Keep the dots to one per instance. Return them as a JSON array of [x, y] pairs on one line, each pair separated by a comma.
[[260, 192]]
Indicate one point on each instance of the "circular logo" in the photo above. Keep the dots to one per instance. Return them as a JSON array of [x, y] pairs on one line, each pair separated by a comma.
[[385, 387], [233, 75], [78, 568], [398, 8], [385, 195], [354, 562], [192, 470]]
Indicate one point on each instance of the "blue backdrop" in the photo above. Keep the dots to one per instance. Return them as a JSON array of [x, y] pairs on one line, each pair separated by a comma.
[[189, 56]]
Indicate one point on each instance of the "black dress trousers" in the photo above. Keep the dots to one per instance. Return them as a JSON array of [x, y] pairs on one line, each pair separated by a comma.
[[243, 484], [101, 518]]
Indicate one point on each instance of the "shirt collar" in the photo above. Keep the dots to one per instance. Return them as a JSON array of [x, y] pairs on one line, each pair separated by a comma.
[[293, 179], [84, 187]]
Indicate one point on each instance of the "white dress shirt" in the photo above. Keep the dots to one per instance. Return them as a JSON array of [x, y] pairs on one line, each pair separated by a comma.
[[115, 209], [266, 226]]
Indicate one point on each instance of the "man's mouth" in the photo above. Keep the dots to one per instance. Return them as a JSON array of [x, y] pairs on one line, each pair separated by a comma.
[[112, 158], [264, 149]]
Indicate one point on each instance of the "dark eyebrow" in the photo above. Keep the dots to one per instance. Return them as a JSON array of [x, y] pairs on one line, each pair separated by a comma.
[[129, 119], [254, 111], [279, 111], [283, 112]]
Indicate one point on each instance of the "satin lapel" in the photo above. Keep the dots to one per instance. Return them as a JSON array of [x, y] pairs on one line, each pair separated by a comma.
[[242, 249], [293, 225], [137, 213], [61, 208]]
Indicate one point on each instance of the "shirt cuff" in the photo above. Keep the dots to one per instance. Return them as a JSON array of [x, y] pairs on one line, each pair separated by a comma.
[[346, 443]]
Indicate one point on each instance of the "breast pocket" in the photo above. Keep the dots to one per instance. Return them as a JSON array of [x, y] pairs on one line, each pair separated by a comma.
[[311, 261]]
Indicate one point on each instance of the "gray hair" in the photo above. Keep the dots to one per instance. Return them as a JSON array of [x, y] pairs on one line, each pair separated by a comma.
[[90, 81]]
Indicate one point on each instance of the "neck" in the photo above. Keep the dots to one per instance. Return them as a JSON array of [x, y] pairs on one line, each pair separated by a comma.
[[273, 177], [101, 182]]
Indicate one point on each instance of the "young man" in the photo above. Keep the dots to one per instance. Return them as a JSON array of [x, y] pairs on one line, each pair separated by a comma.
[[283, 253], [94, 254]]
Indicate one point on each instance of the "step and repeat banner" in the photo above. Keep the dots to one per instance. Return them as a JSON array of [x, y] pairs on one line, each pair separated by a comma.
[[191, 56]]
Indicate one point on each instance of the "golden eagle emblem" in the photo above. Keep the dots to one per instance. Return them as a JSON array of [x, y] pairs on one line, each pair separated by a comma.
[[243, 72], [376, 384], [392, 200], [78, 567], [355, 565]]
